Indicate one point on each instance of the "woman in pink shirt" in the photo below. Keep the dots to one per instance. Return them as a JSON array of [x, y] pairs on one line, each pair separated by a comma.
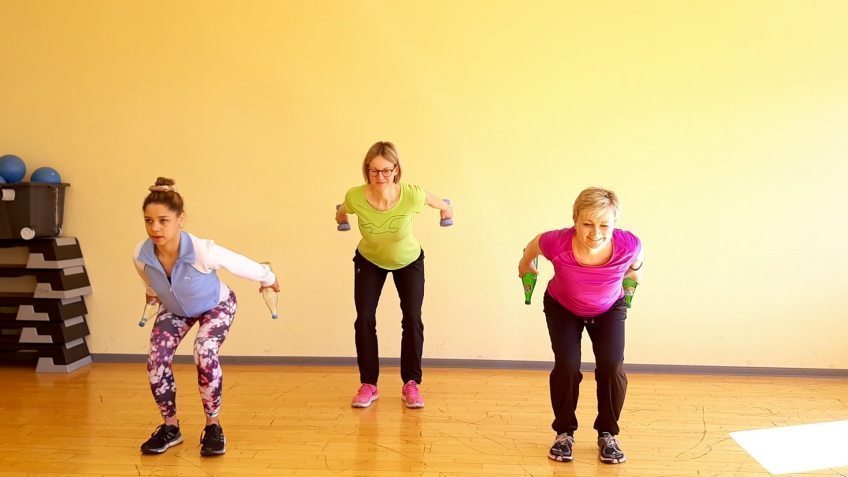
[[590, 261]]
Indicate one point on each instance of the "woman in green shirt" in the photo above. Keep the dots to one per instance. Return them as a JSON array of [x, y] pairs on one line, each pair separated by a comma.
[[385, 208]]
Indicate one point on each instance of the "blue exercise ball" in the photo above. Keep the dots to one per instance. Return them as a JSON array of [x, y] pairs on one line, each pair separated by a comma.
[[12, 168], [46, 174]]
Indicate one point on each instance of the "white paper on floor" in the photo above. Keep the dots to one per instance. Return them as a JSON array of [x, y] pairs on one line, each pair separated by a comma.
[[782, 450]]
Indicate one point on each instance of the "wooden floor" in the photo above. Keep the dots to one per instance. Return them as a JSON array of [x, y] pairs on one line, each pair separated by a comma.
[[297, 421]]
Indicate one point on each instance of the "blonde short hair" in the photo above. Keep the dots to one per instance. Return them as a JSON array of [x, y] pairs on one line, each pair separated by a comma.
[[596, 199], [388, 151]]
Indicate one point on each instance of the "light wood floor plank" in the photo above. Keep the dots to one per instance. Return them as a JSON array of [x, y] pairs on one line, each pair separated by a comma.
[[296, 420]]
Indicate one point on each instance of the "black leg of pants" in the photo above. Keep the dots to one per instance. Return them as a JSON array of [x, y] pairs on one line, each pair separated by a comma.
[[607, 334], [367, 286]]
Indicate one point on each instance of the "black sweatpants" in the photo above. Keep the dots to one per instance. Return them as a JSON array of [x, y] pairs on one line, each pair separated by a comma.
[[607, 334], [367, 287]]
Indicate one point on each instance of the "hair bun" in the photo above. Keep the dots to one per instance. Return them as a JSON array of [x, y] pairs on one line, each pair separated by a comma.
[[162, 188]]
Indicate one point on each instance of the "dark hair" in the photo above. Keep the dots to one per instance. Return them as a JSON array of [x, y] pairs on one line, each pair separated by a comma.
[[164, 192]]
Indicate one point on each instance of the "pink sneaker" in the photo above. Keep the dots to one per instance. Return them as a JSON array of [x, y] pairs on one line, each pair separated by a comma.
[[411, 395], [365, 396]]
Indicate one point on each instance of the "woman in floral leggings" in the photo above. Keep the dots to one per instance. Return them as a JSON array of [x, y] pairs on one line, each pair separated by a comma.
[[179, 271], [167, 334]]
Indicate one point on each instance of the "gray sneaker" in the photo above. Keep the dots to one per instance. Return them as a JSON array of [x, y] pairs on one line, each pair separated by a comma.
[[561, 449], [609, 450]]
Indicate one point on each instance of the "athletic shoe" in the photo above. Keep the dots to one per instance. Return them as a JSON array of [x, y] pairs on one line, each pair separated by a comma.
[[365, 396], [212, 441], [411, 395], [561, 449], [163, 437], [609, 450]]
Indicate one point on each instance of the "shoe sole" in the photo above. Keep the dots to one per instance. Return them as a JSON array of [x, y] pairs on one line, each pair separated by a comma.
[[613, 461], [162, 451], [414, 405], [365, 404], [559, 458], [213, 453]]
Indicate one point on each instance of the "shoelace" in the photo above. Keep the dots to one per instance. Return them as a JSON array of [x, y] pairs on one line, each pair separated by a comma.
[[161, 431], [214, 434], [611, 441], [561, 439], [365, 389], [411, 389]]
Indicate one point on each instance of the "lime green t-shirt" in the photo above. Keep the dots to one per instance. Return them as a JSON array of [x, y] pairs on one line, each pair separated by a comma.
[[387, 239]]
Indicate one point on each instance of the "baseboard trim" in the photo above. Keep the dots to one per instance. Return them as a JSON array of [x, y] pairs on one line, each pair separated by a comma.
[[492, 364]]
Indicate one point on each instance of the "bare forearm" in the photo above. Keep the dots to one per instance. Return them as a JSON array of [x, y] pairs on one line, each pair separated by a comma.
[[634, 271], [435, 202], [531, 251]]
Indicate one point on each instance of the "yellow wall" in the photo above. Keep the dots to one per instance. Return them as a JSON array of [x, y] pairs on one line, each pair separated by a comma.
[[721, 124]]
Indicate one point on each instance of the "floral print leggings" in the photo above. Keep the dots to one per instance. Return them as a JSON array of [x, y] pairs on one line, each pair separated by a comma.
[[168, 331]]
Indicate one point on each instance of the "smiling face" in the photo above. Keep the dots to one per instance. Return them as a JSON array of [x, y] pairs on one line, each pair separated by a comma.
[[381, 171], [163, 224], [593, 228], [381, 166]]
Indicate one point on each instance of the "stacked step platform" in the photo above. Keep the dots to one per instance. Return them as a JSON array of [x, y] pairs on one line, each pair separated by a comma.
[[42, 310]]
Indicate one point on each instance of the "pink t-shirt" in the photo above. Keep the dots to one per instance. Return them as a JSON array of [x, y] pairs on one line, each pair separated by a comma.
[[586, 290]]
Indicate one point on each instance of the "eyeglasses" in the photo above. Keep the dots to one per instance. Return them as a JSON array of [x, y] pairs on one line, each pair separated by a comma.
[[386, 172]]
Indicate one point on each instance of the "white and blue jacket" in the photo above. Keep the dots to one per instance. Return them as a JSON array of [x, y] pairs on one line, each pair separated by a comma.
[[194, 287]]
